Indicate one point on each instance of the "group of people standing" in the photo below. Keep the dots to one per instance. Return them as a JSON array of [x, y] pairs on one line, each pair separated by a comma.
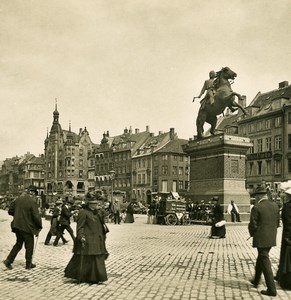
[[116, 209]]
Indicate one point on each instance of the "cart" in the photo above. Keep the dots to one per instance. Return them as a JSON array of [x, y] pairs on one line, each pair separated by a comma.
[[171, 209]]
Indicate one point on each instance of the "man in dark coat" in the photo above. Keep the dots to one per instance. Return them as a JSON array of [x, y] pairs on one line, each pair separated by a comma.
[[264, 220], [65, 221], [26, 223], [55, 226], [284, 271]]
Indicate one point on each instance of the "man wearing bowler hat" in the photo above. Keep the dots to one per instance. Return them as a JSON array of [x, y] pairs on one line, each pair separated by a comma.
[[26, 223], [264, 220]]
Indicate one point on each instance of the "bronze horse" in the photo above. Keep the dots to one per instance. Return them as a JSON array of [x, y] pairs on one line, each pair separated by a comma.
[[224, 97]]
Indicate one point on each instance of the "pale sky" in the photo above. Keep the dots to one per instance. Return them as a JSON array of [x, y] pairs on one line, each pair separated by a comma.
[[116, 64]]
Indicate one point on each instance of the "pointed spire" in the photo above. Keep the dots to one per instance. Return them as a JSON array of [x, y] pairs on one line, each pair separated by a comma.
[[56, 113]]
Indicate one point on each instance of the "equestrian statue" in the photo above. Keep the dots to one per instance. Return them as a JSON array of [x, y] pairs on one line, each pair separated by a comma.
[[219, 95]]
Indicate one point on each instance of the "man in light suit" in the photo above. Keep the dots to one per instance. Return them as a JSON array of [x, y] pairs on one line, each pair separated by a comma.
[[264, 220]]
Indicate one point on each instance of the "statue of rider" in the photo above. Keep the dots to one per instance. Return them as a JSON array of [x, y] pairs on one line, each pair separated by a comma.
[[208, 87]]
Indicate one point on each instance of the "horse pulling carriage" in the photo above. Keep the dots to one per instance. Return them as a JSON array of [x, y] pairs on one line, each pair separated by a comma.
[[171, 209]]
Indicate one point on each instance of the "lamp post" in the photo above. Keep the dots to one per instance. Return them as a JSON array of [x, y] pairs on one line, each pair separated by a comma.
[[112, 176]]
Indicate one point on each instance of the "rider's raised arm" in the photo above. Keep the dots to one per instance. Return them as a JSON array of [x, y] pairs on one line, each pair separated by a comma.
[[204, 88]]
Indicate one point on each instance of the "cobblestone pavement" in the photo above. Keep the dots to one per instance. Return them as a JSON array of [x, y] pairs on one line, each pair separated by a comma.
[[145, 262]]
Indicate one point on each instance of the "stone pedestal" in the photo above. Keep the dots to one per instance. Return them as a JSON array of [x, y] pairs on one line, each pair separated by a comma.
[[217, 168]]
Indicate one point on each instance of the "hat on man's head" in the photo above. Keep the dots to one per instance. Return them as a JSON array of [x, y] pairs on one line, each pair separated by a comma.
[[215, 198], [59, 201], [260, 190], [92, 201], [32, 188], [71, 201]]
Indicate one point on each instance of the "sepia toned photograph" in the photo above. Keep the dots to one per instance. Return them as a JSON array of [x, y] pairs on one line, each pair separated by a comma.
[[145, 149]]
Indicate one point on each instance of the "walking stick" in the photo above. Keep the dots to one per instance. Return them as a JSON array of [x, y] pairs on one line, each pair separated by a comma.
[[81, 261], [36, 240]]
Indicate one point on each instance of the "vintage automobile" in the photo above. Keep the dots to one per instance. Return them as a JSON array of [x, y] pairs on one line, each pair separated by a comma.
[[171, 209]]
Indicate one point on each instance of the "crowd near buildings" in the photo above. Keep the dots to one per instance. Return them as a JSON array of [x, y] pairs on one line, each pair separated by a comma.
[[138, 163]]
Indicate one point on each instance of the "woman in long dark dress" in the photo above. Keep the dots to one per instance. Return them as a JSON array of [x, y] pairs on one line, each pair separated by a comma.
[[129, 218], [217, 232], [88, 261], [284, 271]]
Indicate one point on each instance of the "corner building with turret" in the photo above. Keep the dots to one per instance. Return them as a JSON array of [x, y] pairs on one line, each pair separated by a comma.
[[66, 160]]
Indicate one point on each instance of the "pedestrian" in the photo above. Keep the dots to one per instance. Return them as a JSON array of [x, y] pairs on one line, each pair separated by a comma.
[[264, 220], [284, 271], [88, 261], [116, 211], [65, 221], [233, 211], [218, 230], [26, 224], [55, 224], [151, 212], [129, 218]]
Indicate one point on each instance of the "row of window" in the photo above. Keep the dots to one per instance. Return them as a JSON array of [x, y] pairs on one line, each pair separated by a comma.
[[261, 125], [166, 186], [265, 167], [262, 145], [68, 173], [175, 170]]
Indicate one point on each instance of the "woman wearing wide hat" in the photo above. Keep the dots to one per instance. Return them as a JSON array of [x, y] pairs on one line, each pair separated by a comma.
[[88, 261]]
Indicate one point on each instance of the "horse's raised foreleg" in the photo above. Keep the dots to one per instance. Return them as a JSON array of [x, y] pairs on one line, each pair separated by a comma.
[[231, 100]]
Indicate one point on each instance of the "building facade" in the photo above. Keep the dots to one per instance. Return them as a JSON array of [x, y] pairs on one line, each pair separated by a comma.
[[113, 163], [67, 160], [20, 172], [160, 165]]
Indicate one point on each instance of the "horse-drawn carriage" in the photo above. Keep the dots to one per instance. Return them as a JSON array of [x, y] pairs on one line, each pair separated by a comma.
[[171, 209]]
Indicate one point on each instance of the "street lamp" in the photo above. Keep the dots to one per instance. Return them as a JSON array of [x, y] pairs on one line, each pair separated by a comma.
[[112, 176]]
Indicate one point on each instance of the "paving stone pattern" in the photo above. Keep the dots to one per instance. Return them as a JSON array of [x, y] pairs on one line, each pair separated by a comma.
[[148, 262]]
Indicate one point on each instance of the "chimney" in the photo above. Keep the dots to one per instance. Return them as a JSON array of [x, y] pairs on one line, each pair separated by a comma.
[[283, 84], [125, 130], [80, 131], [136, 130], [152, 134], [227, 112], [147, 128], [130, 130], [243, 101], [172, 133], [160, 132]]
